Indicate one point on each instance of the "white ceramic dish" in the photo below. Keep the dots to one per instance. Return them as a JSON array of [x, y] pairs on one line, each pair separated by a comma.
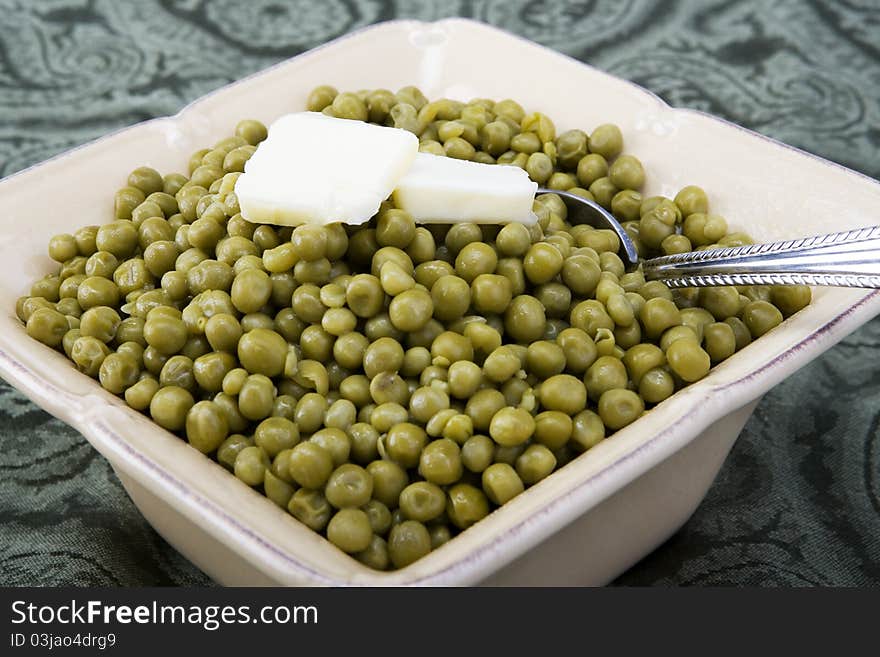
[[586, 523]]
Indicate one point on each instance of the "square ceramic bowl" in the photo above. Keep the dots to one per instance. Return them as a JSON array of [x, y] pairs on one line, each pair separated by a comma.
[[586, 523]]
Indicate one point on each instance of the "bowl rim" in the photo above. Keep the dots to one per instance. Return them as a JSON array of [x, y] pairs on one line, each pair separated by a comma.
[[704, 406]]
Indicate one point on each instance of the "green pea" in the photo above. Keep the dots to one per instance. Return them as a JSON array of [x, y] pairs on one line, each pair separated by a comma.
[[606, 140], [473, 259], [206, 426], [440, 463], [760, 317], [466, 505], [350, 530], [364, 295], [335, 442], [688, 360], [89, 353], [511, 426], [408, 542], [349, 486], [545, 359], [501, 483], [310, 508], [404, 443], [48, 326], [618, 408], [564, 392], [719, 341], [524, 319], [606, 373], [513, 240], [552, 429], [535, 464], [627, 173], [790, 298], [740, 330], [262, 351], [657, 315], [451, 297], [422, 501], [169, 407], [276, 434], [257, 397], [463, 379], [692, 199], [588, 430], [411, 310]]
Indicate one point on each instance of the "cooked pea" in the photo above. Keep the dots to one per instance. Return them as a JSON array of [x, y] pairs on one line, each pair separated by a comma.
[[451, 297], [564, 392], [88, 353], [408, 542], [501, 483], [692, 199], [688, 360], [206, 426], [606, 373], [627, 173], [169, 407], [257, 397], [657, 315], [141, 393], [473, 259], [477, 453], [463, 379], [760, 317], [276, 434], [411, 310], [349, 486], [451, 347], [466, 505], [440, 462], [511, 426], [364, 442], [389, 480], [310, 465], [606, 140], [350, 530], [230, 448], [251, 465], [310, 508], [422, 501], [501, 364], [588, 430], [426, 402], [618, 408], [524, 320], [553, 429], [545, 359], [48, 326], [740, 331], [262, 351], [404, 443], [790, 298], [719, 341]]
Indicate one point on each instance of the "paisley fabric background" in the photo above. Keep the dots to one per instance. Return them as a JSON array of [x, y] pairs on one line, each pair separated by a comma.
[[798, 501]]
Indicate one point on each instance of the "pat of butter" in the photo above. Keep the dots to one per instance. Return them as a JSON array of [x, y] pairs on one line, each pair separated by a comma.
[[439, 189], [317, 169]]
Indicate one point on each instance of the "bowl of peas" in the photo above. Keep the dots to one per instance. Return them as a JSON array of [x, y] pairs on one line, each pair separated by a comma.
[[405, 404]]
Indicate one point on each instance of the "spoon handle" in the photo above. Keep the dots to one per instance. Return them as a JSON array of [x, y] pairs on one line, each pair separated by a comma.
[[847, 259]]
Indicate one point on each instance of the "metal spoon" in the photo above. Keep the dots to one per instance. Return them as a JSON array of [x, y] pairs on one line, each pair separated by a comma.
[[846, 259]]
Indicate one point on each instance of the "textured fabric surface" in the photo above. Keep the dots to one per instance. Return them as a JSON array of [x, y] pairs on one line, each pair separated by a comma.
[[798, 501]]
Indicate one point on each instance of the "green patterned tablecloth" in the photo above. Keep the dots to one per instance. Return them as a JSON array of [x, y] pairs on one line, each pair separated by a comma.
[[798, 501]]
